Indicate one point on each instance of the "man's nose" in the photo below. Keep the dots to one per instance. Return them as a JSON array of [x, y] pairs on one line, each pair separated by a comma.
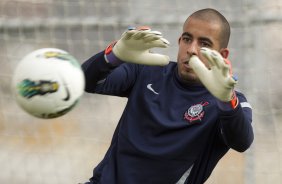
[[193, 48]]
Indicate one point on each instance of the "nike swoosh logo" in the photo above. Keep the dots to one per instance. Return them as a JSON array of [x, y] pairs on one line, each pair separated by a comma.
[[67, 91], [149, 86], [68, 94]]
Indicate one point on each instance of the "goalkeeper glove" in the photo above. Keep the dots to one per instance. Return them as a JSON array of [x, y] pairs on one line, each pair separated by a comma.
[[218, 79], [134, 47]]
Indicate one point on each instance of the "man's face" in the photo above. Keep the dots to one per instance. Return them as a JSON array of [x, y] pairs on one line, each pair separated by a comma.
[[196, 34]]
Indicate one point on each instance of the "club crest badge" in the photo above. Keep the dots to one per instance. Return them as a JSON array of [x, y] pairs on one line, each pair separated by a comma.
[[195, 112]]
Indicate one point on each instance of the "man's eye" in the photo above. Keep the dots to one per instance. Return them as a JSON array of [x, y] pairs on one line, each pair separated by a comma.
[[186, 39], [205, 44]]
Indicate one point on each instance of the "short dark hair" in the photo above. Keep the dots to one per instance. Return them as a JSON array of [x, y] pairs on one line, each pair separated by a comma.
[[209, 14]]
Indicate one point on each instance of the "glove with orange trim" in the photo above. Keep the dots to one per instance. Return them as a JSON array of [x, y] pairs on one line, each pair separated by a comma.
[[218, 79], [134, 47]]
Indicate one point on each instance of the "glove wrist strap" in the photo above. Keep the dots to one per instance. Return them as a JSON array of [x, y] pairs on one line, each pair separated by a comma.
[[234, 101], [110, 57], [227, 106]]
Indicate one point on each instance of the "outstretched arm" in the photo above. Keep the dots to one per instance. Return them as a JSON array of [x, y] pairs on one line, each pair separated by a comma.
[[96, 69], [133, 47], [235, 112], [235, 125]]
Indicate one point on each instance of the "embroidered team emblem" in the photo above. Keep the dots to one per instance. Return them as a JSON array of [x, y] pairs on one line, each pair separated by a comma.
[[195, 112]]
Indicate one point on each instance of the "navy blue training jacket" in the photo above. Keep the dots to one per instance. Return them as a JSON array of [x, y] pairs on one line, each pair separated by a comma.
[[169, 132]]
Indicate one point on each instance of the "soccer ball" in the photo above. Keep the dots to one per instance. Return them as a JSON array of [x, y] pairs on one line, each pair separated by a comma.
[[48, 83]]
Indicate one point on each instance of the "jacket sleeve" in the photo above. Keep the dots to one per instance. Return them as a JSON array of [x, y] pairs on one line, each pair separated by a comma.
[[104, 78], [236, 127], [95, 69]]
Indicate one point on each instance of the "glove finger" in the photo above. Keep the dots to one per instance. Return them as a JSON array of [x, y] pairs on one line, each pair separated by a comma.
[[143, 28], [141, 31], [199, 68], [151, 37], [156, 33], [128, 34], [155, 59], [139, 35], [230, 71], [231, 82], [131, 28], [217, 59], [161, 42], [228, 62], [226, 71], [207, 53], [224, 65]]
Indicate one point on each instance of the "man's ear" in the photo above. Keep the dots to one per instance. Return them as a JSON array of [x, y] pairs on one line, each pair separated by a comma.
[[224, 52]]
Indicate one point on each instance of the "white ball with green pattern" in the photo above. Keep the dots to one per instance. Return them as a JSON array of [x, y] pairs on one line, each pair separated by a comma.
[[48, 83]]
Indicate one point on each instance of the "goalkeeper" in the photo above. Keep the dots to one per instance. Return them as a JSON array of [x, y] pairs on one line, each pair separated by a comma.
[[181, 118]]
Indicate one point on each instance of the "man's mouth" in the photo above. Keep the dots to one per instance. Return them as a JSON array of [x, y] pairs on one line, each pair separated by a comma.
[[186, 64]]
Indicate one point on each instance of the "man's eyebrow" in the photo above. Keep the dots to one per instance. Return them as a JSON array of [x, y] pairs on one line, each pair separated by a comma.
[[186, 34], [206, 39]]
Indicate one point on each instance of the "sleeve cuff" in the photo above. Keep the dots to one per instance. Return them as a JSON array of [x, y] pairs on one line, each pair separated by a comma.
[[112, 59], [224, 106], [227, 106]]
